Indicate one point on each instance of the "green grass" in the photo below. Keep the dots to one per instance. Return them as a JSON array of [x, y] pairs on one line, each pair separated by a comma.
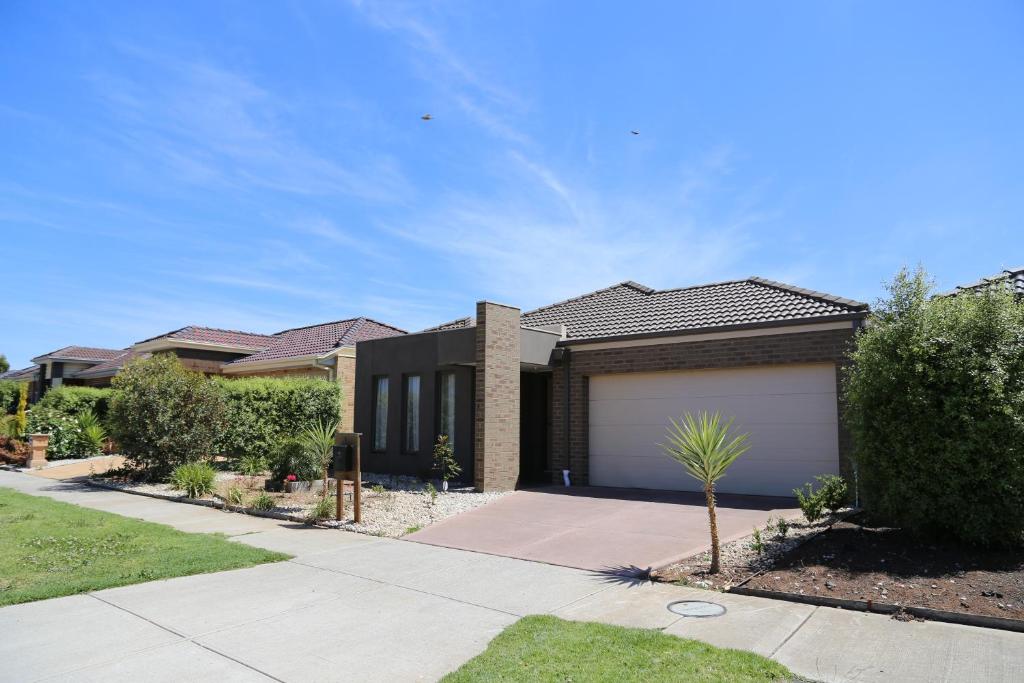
[[543, 648], [49, 549]]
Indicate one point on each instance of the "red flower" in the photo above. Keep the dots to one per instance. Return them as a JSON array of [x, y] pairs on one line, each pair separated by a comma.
[[291, 477]]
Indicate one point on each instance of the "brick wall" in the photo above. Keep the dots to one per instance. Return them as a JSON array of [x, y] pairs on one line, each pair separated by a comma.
[[825, 346], [496, 435]]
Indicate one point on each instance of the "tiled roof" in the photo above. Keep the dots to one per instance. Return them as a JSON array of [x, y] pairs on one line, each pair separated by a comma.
[[452, 325], [212, 335], [80, 353], [110, 367], [320, 339], [1012, 278], [629, 308], [24, 373]]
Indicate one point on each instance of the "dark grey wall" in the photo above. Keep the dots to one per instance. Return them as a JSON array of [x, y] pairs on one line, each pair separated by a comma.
[[426, 355]]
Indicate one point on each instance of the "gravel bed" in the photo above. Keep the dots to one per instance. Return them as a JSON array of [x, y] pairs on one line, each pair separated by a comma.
[[392, 506]]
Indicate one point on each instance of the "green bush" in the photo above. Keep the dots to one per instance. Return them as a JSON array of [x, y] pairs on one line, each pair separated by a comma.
[[262, 502], [73, 401], [811, 504], [936, 409], [65, 434], [194, 478], [92, 435], [292, 457], [262, 412], [252, 465], [8, 396], [325, 508], [163, 415], [833, 492]]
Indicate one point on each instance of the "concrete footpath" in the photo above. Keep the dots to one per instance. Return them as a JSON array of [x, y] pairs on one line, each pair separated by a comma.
[[353, 607]]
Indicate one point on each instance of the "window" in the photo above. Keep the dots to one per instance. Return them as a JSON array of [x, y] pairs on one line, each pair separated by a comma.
[[412, 413], [447, 425], [380, 414]]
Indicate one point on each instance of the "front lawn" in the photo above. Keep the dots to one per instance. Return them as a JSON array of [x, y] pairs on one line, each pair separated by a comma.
[[544, 648], [49, 549]]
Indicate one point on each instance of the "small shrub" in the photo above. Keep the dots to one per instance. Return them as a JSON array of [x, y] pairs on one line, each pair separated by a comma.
[[757, 543], [318, 442], [8, 396], [22, 411], [263, 502], [91, 433], [833, 492], [164, 415], [291, 457], [324, 509], [252, 465], [444, 460], [194, 478], [64, 432], [782, 527], [432, 492], [9, 427], [378, 490], [235, 496], [810, 503], [413, 529]]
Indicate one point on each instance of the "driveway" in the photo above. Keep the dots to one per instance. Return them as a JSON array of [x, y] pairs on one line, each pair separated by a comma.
[[601, 529], [351, 607]]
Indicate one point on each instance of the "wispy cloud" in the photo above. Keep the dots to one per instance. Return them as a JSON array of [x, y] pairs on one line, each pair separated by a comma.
[[208, 124]]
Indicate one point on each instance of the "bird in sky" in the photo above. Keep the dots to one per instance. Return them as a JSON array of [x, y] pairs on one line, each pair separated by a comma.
[[426, 117], [635, 132]]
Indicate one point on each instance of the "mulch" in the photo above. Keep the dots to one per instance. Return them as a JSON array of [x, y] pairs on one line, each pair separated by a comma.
[[861, 562]]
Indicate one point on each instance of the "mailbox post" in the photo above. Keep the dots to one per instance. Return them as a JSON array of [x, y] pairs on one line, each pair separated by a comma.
[[346, 465]]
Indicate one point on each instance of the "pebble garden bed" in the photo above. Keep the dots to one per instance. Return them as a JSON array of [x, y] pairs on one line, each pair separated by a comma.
[[391, 506]]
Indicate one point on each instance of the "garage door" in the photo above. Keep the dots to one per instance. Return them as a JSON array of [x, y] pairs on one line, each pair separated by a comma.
[[789, 411]]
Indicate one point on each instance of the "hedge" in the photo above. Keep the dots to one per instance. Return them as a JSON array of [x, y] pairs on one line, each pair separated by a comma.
[[72, 401], [936, 410], [264, 412]]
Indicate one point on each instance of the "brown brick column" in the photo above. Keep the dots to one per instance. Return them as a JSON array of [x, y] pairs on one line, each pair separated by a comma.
[[346, 378], [496, 447]]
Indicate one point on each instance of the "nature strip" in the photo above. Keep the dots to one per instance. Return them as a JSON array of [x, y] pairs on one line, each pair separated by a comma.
[[887, 608]]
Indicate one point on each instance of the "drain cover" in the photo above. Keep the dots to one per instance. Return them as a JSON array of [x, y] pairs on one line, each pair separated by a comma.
[[696, 608]]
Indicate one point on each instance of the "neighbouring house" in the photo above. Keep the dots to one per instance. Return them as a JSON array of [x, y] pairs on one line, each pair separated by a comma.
[[1012, 279], [29, 375], [589, 385], [205, 349], [63, 367], [327, 350]]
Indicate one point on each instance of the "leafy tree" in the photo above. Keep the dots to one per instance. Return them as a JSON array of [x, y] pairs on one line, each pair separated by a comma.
[[444, 461], [703, 446], [163, 415], [4, 365], [935, 404]]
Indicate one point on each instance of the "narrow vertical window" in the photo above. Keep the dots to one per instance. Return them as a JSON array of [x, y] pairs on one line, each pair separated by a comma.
[[380, 415], [447, 425], [412, 413]]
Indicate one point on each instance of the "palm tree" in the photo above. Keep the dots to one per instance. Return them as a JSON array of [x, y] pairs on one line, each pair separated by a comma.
[[701, 445]]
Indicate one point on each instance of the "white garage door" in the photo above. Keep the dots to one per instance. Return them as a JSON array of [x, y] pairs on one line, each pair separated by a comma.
[[789, 412]]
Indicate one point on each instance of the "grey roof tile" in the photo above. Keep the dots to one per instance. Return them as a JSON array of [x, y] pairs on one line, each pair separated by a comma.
[[320, 339]]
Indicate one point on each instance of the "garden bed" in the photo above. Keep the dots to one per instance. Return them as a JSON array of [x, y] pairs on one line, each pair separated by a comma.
[[391, 506], [893, 570]]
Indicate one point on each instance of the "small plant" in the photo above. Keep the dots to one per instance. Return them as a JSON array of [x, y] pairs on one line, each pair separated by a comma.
[[318, 443], [810, 503], [444, 461], [782, 527], [324, 509], [9, 427], [235, 497], [757, 543], [22, 414], [432, 492], [93, 435], [833, 492], [252, 465], [262, 502], [194, 478], [377, 489], [413, 529]]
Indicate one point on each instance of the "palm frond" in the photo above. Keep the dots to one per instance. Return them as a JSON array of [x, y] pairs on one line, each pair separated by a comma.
[[704, 445]]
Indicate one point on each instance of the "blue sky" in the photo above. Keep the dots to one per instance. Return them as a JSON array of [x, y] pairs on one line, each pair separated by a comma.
[[264, 165]]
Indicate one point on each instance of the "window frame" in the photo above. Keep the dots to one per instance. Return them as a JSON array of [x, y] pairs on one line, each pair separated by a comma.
[[441, 379], [379, 440], [417, 407]]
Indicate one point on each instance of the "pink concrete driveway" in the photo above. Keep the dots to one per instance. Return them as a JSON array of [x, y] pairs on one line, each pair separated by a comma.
[[601, 529]]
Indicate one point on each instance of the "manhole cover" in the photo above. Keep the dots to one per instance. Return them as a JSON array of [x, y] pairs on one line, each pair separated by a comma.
[[696, 608]]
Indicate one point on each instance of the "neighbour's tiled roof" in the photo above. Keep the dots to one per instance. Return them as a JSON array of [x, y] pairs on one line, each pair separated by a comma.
[[1012, 278], [452, 325], [212, 335], [629, 308], [110, 367], [79, 353], [23, 374], [320, 339]]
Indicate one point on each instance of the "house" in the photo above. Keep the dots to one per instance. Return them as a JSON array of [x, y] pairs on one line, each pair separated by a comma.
[[589, 385], [205, 349], [62, 367], [1012, 279], [327, 350]]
